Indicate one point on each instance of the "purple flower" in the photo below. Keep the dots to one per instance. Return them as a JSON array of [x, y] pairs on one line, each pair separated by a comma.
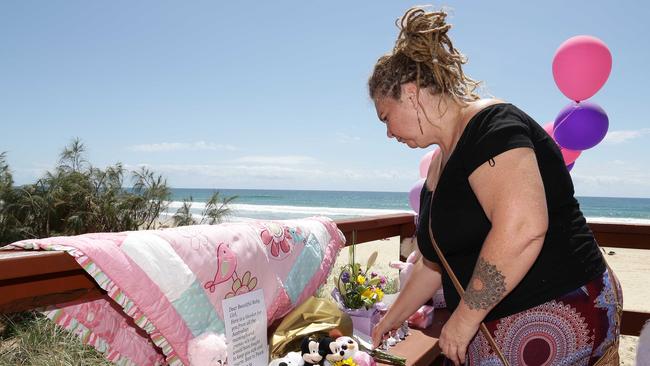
[[345, 277], [373, 274], [382, 280]]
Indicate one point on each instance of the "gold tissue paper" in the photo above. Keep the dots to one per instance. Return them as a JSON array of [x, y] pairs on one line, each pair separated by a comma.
[[315, 316]]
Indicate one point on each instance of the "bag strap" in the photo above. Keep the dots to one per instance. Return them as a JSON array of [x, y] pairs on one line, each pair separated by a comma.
[[459, 287], [611, 357]]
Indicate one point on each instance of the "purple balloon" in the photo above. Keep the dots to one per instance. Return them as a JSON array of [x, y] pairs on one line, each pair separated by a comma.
[[570, 166], [580, 126], [414, 195]]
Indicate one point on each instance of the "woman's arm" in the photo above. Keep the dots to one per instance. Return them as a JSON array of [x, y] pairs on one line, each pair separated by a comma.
[[512, 195], [423, 283], [511, 192]]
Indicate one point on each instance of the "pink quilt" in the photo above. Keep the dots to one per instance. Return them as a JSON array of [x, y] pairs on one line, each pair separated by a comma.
[[165, 287]]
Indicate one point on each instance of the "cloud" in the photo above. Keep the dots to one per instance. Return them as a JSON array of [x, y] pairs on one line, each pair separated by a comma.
[[232, 171], [377, 174], [618, 137], [196, 175], [346, 139], [276, 160], [615, 178], [611, 180], [181, 146], [29, 174]]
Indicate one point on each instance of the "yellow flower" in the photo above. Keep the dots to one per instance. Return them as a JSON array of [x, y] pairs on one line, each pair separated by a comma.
[[367, 293], [380, 294], [361, 280], [347, 362]]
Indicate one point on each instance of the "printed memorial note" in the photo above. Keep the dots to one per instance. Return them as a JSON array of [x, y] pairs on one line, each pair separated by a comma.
[[245, 318]]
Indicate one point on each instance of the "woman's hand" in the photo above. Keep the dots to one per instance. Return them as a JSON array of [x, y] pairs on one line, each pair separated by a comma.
[[381, 329], [455, 337], [425, 280]]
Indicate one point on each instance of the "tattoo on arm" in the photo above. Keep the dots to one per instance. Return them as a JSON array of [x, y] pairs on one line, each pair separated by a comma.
[[486, 287]]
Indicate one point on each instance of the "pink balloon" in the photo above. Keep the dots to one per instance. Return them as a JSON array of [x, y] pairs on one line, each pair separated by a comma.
[[570, 166], [414, 195], [581, 66], [426, 161], [549, 128], [569, 155]]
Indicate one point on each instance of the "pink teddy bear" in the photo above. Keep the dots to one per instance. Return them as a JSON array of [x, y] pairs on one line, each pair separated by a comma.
[[405, 268], [405, 272], [424, 316], [208, 349]]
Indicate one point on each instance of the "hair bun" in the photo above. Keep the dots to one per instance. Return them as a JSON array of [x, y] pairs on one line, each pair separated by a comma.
[[425, 55], [420, 33]]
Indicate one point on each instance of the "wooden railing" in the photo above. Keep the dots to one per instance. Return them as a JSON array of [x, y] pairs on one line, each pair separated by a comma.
[[30, 280], [606, 234]]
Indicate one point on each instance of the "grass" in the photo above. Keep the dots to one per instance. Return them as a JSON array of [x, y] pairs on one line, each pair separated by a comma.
[[30, 338]]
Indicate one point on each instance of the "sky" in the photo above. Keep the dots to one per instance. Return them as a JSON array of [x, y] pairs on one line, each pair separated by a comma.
[[273, 95]]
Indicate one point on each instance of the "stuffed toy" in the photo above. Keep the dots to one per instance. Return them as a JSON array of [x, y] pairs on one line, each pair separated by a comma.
[[361, 358], [349, 349], [208, 349], [329, 349], [309, 352], [348, 345], [291, 359], [405, 268]]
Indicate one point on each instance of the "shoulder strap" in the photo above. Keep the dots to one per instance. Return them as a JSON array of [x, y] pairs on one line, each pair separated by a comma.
[[459, 288]]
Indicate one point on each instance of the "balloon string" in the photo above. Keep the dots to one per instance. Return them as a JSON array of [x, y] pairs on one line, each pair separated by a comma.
[[564, 119]]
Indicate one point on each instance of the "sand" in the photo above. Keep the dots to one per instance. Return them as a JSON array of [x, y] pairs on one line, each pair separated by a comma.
[[632, 267]]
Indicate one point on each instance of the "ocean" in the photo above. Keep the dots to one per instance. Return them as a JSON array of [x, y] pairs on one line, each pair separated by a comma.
[[293, 204]]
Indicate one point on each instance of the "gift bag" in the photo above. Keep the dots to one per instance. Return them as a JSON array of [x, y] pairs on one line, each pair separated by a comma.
[[364, 321], [313, 317]]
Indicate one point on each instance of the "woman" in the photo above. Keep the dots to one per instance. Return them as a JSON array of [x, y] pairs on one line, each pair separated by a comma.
[[502, 211]]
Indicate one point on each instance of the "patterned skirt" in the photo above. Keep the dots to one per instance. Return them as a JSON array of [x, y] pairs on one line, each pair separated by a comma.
[[574, 329]]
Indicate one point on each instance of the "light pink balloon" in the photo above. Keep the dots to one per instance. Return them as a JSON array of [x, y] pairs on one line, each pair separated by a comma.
[[426, 161], [581, 66], [569, 155], [570, 166], [549, 128], [414, 195]]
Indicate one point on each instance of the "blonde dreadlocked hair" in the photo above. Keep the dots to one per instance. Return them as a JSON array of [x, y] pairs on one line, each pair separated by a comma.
[[423, 54]]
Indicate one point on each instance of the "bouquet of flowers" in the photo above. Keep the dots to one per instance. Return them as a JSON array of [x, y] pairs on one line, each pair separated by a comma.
[[359, 292], [358, 287]]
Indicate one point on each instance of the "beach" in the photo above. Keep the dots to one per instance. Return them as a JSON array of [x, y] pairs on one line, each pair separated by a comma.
[[632, 266]]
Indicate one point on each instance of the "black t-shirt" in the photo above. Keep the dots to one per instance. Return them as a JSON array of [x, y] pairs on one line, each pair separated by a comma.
[[570, 256]]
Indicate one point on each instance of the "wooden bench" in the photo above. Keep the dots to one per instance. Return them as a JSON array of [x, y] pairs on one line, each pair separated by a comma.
[[30, 280]]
